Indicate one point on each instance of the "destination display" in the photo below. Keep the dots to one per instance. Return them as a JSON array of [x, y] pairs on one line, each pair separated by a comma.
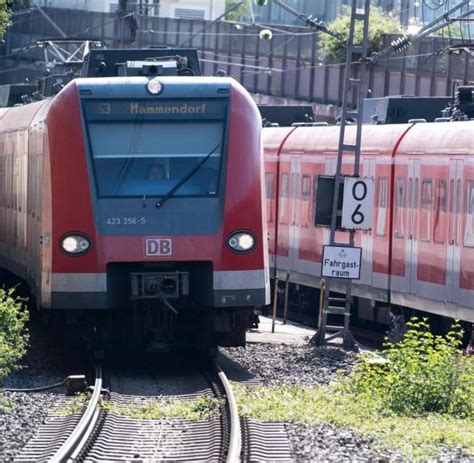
[[341, 262], [153, 109]]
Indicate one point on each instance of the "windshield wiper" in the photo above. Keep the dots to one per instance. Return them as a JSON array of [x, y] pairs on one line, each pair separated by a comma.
[[184, 179]]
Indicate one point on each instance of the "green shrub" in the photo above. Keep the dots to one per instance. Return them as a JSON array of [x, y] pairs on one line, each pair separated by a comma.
[[379, 24], [424, 373], [13, 333]]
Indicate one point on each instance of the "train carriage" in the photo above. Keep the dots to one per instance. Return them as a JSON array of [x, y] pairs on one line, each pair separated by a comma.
[[419, 253]]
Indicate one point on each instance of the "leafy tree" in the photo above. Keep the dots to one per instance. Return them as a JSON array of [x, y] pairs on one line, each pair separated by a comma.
[[236, 14], [379, 24], [5, 12], [13, 334]]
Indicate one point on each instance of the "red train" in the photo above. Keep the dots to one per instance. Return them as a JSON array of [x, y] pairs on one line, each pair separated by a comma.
[[138, 199], [420, 251]]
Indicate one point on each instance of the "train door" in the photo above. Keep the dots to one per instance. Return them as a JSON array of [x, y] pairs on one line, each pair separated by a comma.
[[412, 219], [284, 214], [454, 229], [295, 213], [367, 237]]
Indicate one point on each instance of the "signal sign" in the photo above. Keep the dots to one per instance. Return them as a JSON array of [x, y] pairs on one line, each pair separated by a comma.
[[341, 262], [358, 203]]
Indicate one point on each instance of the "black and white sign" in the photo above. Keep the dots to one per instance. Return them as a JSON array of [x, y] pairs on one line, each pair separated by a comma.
[[358, 203], [341, 262]]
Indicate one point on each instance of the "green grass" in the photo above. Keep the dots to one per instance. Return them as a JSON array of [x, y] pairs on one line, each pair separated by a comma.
[[76, 405], [415, 437], [201, 408], [6, 405]]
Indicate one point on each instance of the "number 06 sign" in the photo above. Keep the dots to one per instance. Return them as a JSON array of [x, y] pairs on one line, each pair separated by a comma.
[[358, 203]]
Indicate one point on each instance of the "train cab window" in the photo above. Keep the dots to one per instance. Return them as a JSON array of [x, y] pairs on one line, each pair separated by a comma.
[[149, 158], [440, 212], [382, 187], [146, 148], [285, 188], [426, 210], [469, 211], [400, 201]]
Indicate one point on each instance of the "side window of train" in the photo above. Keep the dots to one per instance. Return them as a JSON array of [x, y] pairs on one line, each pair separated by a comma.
[[306, 188], [382, 190], [439, 235], [426, 209], [2, 181], [313, 208], [285, 188], [469, 230], [306, 204], [269, 193], [269, 185], [400, 201]]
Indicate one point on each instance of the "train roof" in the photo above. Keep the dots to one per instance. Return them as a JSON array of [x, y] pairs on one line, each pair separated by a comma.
[[174, 87]]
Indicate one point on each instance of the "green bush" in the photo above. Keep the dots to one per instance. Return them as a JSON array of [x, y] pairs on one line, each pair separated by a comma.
[[423, 373], [379, 24], [13, 333]]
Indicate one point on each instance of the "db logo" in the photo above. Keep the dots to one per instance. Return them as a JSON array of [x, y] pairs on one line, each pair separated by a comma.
[[158, 247]]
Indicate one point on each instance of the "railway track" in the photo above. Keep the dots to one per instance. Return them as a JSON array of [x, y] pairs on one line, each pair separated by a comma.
[[99, 434]]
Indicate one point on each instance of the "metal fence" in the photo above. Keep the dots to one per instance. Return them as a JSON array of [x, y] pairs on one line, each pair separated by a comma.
[[289, 65]]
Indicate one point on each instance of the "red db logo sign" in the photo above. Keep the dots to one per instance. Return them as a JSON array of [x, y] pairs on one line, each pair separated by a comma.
[[158, 247]]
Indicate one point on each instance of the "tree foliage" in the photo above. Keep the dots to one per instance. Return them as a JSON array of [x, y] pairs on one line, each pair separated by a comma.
[[5, 13], [379, 24], [237, 14], [13, 333]]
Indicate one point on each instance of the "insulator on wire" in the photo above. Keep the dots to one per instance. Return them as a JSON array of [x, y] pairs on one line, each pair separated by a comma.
[[401, 44], [266, 34]]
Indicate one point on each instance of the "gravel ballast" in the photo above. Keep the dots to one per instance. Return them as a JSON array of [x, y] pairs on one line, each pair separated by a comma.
[[20, 416], [46, 363], [328, 443], [289, 365]]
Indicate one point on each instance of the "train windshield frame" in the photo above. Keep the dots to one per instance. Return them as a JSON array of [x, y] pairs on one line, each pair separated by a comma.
[[144, 148]]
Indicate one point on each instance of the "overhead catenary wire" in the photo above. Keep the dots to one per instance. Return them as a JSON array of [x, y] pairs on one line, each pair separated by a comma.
[[404, 42], [278, 33]]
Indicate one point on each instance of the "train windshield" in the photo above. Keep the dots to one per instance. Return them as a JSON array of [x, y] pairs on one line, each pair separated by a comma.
[[148, 156]]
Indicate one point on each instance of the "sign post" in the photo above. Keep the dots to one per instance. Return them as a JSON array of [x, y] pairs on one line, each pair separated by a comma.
[[357, 205]]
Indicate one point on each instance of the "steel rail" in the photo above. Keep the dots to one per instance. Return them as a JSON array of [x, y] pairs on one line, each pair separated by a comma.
[[235, 441], [79, 436]]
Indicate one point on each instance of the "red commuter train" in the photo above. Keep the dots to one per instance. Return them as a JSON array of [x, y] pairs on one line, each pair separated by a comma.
[[420, 251], [139, 199]]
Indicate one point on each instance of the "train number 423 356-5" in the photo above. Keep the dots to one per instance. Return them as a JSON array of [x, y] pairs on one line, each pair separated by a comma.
[[125, 220]]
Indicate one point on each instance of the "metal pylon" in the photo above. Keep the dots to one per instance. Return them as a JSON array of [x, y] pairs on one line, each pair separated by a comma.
[[356, 54]]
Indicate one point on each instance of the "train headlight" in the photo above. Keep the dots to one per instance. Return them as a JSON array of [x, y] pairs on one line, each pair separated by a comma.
[[241, 241], [154, 86], [75, 244]]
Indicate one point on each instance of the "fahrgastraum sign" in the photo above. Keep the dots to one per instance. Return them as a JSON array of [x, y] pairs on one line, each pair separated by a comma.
[[341, 262]]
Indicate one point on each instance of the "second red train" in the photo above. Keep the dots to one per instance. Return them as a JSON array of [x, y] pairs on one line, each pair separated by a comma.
[[420, 251]]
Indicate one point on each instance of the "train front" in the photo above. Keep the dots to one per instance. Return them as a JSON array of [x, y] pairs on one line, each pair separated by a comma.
[[157, 209]]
